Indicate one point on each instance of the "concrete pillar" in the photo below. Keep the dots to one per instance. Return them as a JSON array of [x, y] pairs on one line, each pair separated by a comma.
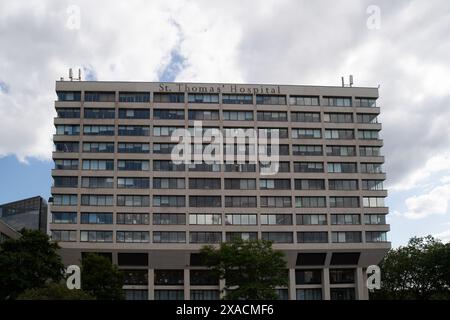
[[221, 288], [326, 284], [151, 284], [187, 284], [292, 291], [361, 288]]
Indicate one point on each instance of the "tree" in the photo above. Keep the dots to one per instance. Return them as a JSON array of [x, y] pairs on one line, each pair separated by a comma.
[[419, 270], [252, 269], [100, 278], [54, 291], [28, 262]]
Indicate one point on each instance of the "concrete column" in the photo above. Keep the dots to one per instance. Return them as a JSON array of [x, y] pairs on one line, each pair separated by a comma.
[[151, 284], [326, 284], [292, 291], [187, 284], [361, 288], [221, 288]]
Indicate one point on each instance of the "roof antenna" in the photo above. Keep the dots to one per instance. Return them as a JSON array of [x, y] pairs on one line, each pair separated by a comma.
[[342, 80], [70, 74], [351, 80]]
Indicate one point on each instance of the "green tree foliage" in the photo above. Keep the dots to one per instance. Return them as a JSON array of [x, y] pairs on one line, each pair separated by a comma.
[[252, 269], [419, 271], [100, 278], [30, 261], [54, 291]]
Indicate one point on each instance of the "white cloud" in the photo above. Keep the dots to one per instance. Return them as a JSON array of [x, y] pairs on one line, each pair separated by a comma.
[[434, 202], [444, 236]]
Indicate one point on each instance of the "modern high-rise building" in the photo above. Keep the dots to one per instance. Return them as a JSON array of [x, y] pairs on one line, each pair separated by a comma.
[[117, 191]]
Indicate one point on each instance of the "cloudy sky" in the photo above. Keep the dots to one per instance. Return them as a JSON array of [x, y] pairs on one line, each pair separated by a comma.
[[403, 46]]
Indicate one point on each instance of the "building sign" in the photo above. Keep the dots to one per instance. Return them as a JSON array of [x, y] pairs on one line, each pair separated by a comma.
[[219, 88]]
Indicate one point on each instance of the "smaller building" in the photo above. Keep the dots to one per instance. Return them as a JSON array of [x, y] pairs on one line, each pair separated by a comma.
[[6, 232], [28, 213]]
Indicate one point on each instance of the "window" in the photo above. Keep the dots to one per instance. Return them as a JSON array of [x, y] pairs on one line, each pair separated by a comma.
[[276, 219], [367, 118], [132, 218], [64, 235], [68, 113], [367, 151], [164, 131], [169, 201], [98, 96], [65, 199], [169, 294], [203, 98], [133, 183], [206, 167], [368, 134], [311, 219], [278, 237], [96, 200], [340, 134], [307, 150], [344, 202], [65, 182], [205, 295], [310, 202], [203, 115], [168, 183], [342, 293], [306, 133], [237, 115], [338, 219], [96, 218], [312, 237], [342, 276], [134, 114], [237, 98], [67, 129], [96, 236], [232, 236], [275, 202], [64, 217], [168, 114], [240, 219], [346, 236], [136, 294], [204, 183], [205, 201], [275, 184], [167, 165], [309, 184], [337, 101], [169, 219], [205, 218], [308, 166], [133, 201], [135, 131], [283, 166], [270, 150], [270, 99], [135, 277], [66, 164], [133, 148], [205, 237], [98, 130], [308, 276], [100, 147], [132, 236], [304, 100], [342, 167], [68, 95], [371, 168], [269, 133], [365, 102], [104, 113], [240, 167], [282, 294], [309, 294], [338, 117], [169, 237], [97, 182], [176, 97], [373, 202], [98, 164], [305, 116], [133, 165], [134, 97], [336, 184], [341, 151], [272, 116], [374, 219], [66, 147], [169, 277], [376, 236], [372, 185], [240, 184]]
